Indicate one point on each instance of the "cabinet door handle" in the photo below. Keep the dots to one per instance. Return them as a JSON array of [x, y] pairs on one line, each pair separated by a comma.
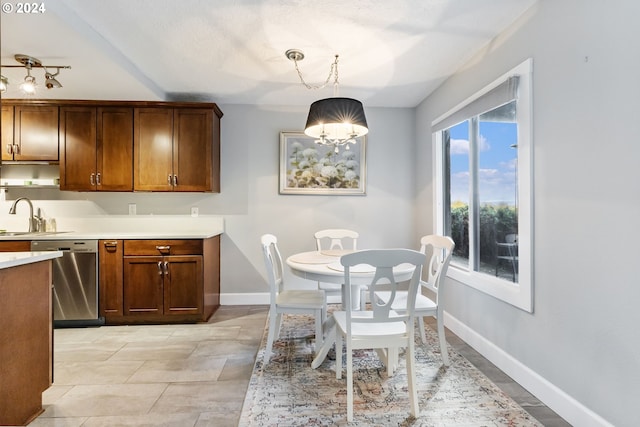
[[169, 180], [175, 180], [111, 244], [9, 148], [92, 179], [16, 149], [166, 268], [164, 249], [160, 268], [98, 179]]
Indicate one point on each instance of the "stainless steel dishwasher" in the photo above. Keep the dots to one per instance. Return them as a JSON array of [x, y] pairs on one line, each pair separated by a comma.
[[75, 282]]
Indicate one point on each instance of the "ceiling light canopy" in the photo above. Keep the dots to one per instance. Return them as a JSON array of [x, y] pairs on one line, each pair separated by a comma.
[[29, 85], [334, 121]]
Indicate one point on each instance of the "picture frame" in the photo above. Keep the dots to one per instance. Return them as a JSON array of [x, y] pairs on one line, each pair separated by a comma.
[[307, 167]]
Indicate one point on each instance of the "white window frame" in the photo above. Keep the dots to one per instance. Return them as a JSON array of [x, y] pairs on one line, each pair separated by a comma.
[[519, 294]]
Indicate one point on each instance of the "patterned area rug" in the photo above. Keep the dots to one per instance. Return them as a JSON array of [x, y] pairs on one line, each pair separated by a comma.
[[287, 392]]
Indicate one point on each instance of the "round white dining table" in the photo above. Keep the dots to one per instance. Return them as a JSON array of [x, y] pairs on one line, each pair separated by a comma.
[[324, 266]]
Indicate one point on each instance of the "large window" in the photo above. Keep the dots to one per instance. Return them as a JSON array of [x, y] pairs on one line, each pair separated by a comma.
[[483, 155]]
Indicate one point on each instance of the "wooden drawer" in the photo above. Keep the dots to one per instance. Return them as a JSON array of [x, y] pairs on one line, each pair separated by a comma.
[[162, 247], [15, 246]]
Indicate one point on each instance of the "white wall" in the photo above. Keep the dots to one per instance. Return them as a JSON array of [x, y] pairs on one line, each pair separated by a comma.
[[583, 336]]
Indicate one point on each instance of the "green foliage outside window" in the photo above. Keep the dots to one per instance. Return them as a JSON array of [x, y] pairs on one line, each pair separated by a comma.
[[495, 223]]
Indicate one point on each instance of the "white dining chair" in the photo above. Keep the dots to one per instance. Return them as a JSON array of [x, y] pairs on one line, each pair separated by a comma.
[[439, 250], [292, 301], [336, 239], [379, 327]]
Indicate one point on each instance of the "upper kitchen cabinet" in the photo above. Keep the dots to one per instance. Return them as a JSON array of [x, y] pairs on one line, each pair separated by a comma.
[[177, 149], [29, 132], [6, 129], [96, 148]]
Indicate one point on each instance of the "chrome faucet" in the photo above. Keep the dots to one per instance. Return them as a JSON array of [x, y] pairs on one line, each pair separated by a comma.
[[34, 222]]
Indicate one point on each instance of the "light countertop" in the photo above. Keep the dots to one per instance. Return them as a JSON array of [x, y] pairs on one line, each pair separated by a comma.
[[99, 235], [14, 259], [127, 227]]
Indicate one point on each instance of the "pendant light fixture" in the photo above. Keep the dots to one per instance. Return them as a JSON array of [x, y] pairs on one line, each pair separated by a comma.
[[29, 85], [333, 121]]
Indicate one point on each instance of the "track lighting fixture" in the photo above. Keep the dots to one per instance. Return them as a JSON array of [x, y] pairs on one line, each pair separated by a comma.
[[29, 85]]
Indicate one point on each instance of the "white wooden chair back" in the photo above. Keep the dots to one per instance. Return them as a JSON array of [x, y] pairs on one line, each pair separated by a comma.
[[337, 238], [273, 263], [383, 260], [438, 250]]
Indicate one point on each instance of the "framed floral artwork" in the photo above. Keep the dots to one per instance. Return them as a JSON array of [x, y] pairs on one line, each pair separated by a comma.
[[310, 168]]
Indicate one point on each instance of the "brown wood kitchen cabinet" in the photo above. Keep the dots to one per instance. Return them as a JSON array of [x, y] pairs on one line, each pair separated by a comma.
[[159, 281], [96, 148], [29, 132], [110, 277], [6, 129], [15, 246], [176, 149], [26, 337]]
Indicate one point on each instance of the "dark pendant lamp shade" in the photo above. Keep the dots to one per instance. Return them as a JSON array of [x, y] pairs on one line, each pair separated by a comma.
[[336, 119]]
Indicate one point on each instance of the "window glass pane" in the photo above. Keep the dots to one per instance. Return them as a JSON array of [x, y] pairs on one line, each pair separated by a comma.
[[458, 195], [497, 183]]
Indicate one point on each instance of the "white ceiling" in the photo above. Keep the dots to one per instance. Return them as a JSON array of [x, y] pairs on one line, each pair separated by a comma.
[[393, 53]]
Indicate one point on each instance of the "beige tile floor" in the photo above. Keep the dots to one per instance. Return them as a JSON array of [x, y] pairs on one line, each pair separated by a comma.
[[181, 375]]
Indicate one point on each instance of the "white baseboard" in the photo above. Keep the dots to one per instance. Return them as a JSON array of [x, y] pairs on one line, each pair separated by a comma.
[[257, 299], [564, 405], [262, 298]]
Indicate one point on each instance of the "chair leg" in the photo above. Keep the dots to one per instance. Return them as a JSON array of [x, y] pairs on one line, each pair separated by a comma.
[[363, 298], [319, 321], [411, 377], [273, 324], [339, 341], [392, 360], [423, 334], [443, 342], [349, 383]]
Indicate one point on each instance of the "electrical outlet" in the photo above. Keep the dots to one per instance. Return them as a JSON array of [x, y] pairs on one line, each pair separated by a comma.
[[132, 208], [194, 211]]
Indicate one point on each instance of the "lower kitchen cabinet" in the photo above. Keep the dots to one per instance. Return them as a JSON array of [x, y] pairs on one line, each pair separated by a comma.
[[26, 337], [110, 301], [161, 281], [15, 246], [163, 285]]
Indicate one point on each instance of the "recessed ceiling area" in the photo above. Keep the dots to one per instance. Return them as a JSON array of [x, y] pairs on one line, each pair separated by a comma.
[[392, 54]]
